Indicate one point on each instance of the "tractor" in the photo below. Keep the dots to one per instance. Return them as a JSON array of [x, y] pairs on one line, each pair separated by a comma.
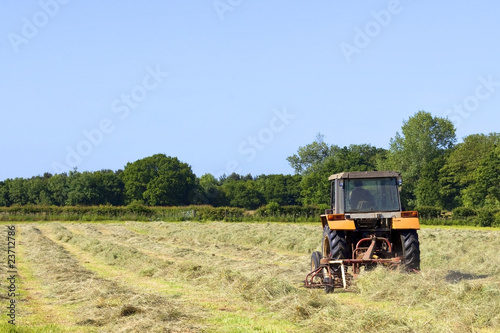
[[364, 227]]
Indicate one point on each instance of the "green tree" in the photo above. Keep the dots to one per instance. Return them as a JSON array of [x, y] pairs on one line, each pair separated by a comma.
[[459, 171], [318, 160], [361, 157], [315, 184], [427, 189], [58, 189], [485, 189], [4, 195], [37, 190], [310, 155], [243, 193], [82, 189], [281, 189], [110, 189], [209, 192], [423, 139], [159, 180], [18, 191]]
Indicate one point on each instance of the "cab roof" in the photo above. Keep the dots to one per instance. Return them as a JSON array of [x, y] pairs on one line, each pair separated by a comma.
[[365, 174]]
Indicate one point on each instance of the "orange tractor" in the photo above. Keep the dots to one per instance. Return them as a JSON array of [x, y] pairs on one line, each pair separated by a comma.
[[364, 227]]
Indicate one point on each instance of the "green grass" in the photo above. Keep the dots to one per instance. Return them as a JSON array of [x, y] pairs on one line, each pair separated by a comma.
[[50, 328], [248, 277]]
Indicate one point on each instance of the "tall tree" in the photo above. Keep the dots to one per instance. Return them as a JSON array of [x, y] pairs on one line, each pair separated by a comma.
[[282, 189], [18, 191], [58, 188], [4, 194], [159, 180], [315, 184], [423, 138], [459, 171], [110, 187], [310, 155], [243, 193], [427, 189], [37, 190], [318, 160], [82, 189], [485, 188], [210, 192]]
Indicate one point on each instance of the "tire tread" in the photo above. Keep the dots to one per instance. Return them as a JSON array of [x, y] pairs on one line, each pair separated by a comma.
[[411, 249]]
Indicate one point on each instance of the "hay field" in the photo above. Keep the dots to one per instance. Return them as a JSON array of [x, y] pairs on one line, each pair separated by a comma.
[[240, 277]]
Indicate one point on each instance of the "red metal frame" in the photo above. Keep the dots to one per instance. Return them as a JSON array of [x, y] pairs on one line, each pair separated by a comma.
[[335, 276]]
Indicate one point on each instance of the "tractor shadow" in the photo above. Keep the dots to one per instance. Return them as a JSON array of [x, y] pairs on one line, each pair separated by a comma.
[[456, 276]]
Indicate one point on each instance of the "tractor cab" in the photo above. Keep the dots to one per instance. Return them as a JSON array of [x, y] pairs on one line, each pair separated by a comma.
[[365, 192]]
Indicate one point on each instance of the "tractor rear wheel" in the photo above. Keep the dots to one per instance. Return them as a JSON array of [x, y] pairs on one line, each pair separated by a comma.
[[334, 244], [410, 249]]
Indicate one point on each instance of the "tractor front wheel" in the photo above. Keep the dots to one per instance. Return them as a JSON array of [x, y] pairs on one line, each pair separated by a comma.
[[315, 260]]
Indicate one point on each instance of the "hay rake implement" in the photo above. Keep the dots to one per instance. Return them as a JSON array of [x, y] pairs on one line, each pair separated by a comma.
[[331, 273]]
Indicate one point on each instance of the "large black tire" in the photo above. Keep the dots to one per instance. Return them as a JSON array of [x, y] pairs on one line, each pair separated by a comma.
[[410, 249], [334, 244]]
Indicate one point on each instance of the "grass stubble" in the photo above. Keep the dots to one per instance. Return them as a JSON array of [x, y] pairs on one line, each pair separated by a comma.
[[244, 277]]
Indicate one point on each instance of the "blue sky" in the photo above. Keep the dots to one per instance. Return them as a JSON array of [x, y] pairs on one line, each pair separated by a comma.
[[234, 85]]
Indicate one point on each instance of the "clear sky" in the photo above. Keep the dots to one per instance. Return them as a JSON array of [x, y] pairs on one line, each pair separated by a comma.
[[234, 85]]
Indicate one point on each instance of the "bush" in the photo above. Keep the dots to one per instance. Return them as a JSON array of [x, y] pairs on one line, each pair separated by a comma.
[[429, 212], [273, 208], [486, 217], [463, 212], [137, 207], [496, 223]]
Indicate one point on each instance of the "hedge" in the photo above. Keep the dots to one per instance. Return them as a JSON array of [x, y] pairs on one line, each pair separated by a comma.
[[134, 211], [272, 212]]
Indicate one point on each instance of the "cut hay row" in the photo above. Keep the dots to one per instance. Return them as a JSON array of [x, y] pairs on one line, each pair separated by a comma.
[[200, 250], [193, 284], [33, 307], [227, 277], [87, 301]]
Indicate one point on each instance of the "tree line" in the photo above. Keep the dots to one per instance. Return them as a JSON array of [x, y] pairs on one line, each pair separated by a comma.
[[436, 172], [157, 180]]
